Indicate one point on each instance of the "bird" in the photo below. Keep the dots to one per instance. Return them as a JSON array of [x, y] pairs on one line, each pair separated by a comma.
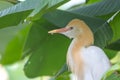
[[85, 60]]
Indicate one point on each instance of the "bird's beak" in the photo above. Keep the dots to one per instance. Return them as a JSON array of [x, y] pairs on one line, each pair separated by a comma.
[[59, 30]]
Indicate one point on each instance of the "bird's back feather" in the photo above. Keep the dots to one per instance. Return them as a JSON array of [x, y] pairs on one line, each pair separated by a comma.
[[96, 63]]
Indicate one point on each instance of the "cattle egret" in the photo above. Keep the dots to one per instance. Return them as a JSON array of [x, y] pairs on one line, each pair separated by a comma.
[[86, 62]]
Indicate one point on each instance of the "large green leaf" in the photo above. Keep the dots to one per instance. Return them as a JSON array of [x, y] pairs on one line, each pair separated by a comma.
[[13, 19], [48, 53], [36, 35], [97, 9], [101, 29], [61, 19], [16, 13], [115, 24], [103, 35], [19, 12], [12, 42]]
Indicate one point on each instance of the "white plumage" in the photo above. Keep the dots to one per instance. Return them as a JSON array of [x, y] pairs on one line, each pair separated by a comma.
[[95, 61]]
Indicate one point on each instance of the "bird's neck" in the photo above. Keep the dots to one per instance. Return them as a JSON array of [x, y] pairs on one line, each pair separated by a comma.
[[74, 58], [75, 49], [83, 40], [74, 54]]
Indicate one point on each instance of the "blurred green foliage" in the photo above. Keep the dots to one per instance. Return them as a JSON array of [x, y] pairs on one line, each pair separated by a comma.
[[24, 27]]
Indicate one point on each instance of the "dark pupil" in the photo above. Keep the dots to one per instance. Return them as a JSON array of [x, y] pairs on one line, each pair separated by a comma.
[[71, 27]]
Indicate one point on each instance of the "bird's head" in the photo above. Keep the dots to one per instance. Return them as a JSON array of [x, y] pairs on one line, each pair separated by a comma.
[[74, 29]]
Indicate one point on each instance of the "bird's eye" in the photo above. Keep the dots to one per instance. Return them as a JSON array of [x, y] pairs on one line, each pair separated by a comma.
[[71, 27]]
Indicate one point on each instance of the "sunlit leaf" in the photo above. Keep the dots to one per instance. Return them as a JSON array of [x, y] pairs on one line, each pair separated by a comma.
[[116, 59], [12, 42], [115, 24], [92, 1], [48, 53]]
